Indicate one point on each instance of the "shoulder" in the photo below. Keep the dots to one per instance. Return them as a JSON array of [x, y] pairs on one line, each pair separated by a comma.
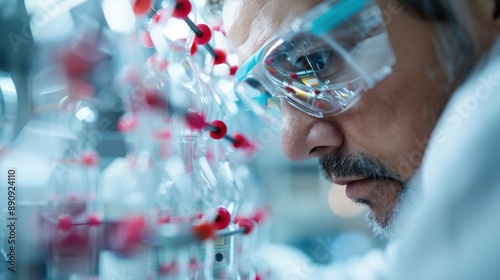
[[456, 220], [466, 140]]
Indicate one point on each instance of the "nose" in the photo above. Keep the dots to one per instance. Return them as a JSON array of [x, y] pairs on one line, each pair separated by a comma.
[[304, 137]]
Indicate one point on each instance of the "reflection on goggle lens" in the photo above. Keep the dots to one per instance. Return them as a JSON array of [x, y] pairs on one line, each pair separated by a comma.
[[322, 72], [263, 98]]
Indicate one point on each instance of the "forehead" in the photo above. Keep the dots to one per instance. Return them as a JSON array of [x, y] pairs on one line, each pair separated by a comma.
[[251, 23]]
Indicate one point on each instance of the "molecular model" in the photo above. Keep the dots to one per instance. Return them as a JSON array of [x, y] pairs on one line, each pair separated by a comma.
[[182, 203]]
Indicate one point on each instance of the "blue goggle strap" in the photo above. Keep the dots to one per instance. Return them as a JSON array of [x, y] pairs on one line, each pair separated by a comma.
[[336, 15]]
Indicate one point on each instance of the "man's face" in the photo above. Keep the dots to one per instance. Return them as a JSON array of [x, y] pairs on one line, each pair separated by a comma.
[[374, 147]]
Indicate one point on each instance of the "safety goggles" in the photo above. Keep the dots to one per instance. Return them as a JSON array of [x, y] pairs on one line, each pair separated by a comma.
[[321, 63]]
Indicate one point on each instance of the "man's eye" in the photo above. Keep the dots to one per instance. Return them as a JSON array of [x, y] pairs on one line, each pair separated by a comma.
[[313, 61]]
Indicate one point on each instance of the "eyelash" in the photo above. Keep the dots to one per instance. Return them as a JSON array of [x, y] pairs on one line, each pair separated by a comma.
[[312, 57]]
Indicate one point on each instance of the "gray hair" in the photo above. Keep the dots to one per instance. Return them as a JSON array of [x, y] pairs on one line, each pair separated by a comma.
[[455, 44]]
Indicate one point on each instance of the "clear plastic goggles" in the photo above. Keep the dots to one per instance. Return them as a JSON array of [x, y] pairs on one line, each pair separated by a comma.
[[321, 63]]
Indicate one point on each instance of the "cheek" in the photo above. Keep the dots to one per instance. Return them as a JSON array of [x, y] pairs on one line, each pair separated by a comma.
[[385, 124], [392, 121], [370, 119]]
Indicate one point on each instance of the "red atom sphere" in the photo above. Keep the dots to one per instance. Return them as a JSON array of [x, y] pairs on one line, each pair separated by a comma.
[[157, 16], [90, 159], [154, 100], [81, 89], [168, 269], [220, 56], [73, 240], [233, 70], [247, 224], [222, 219], [289, 89], [206, 34], [126, 123], [203, 231], [220, 29], [65, 222], [141, 7], [239, 141], [194, 49], [162, 134], [195, 120], [164, 219], [146, 40], [320, 104], [237, 219], [221, 130], [93, 220], [127, 236], [182, 9], [162, 66], [156, 63], [259, 216], [76, 65]]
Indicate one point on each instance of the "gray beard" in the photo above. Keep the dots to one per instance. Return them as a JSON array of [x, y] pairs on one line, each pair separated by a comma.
[[400, 217]]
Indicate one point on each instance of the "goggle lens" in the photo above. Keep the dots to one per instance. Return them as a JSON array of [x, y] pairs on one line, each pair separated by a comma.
[[321, 72]]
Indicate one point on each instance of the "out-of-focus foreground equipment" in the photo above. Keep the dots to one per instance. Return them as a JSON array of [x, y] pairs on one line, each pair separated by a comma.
[[182, 202]]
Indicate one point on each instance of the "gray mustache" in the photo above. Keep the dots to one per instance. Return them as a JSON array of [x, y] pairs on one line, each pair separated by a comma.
[[357, 165]]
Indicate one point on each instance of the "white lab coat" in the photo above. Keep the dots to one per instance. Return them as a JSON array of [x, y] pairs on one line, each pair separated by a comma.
[[456, 230]]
